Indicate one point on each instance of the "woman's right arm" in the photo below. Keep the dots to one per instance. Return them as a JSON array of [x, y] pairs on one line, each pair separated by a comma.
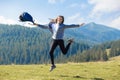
[[41, 26]]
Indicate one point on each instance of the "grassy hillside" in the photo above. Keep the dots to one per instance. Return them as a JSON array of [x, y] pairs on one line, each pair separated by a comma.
[[109, 70]]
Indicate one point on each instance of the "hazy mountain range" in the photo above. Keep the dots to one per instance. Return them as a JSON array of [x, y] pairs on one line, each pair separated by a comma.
[[95, 33], [91, 32]]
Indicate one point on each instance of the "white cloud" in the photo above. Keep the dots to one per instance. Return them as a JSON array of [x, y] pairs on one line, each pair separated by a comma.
[[115, 23], [104, 6], [55, 1], [4, 20]]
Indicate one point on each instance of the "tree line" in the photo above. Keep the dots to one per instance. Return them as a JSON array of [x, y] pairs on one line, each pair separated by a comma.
[[23, 45], [101, 52]]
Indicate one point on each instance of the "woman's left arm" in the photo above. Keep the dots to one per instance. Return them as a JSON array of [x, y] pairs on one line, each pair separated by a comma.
[[74, 25]]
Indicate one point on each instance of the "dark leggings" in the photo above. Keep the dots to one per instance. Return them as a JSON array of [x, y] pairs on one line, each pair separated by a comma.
[[54, 44]]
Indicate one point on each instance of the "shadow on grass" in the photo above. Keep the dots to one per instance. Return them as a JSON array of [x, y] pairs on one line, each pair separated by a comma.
[[97, 79], [77, 76], [64, 76]]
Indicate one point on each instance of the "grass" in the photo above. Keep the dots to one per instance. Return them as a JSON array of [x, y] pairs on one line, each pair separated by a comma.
[[109, 70]]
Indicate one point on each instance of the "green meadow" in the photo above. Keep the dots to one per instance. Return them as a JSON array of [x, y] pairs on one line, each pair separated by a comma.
[[109, 70]]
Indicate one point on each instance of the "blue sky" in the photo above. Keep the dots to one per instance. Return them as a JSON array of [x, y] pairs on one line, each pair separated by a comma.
[[106, 12]]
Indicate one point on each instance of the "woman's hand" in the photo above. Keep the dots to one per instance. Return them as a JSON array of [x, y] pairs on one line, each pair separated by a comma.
[[81, 24], [35, 24]]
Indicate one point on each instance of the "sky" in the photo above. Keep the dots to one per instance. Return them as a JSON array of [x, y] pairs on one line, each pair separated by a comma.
[[106, 12]]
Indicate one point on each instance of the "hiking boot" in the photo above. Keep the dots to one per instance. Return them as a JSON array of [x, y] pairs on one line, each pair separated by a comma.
[[52, 68]]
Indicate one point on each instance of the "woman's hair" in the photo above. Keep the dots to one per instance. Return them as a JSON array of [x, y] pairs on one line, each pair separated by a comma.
[[55, 20], [61, 17]]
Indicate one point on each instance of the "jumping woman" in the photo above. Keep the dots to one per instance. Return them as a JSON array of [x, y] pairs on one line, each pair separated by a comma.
[[57, 27]]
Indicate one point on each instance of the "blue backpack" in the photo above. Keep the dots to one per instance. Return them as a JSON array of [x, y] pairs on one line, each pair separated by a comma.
[[26, 17]]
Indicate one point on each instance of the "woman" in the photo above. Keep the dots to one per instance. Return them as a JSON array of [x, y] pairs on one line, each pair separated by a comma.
[[57, 27]]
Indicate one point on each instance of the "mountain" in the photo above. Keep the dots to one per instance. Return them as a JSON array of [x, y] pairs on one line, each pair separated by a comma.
[[23, 45], [95, 33], [91, 32]]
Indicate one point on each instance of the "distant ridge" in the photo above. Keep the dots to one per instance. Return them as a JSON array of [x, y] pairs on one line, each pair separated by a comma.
[[95, 33]]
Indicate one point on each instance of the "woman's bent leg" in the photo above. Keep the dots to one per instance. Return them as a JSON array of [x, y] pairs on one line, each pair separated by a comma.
[[63, 48]]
